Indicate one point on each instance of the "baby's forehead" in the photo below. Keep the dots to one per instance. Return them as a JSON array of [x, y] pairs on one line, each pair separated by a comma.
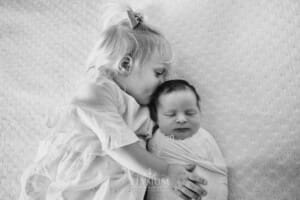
[[177, 95], [183, 91]]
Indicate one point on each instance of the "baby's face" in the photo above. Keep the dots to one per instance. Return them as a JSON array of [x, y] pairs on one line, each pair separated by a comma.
[[178, 115]]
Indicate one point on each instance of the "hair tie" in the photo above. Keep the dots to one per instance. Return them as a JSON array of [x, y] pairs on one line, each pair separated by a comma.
[[135, 18]]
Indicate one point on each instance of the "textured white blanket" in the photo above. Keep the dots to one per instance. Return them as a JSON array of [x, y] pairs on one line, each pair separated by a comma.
[[243, 57]]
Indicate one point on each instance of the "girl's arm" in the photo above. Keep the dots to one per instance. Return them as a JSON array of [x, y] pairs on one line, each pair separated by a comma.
[[184, 183], [137, 159]]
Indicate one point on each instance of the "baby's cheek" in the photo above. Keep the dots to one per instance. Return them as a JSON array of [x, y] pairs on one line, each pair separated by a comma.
[[165, 126], [195, 122]]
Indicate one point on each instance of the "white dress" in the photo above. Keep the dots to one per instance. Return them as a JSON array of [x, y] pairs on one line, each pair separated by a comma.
[[71, 163], [200, 149]]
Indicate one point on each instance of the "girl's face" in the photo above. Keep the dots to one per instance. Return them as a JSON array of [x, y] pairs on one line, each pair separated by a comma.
[[178, 115], [143, 80]]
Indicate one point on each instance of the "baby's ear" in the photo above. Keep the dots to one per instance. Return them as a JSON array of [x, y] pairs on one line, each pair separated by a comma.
[[125, 65]]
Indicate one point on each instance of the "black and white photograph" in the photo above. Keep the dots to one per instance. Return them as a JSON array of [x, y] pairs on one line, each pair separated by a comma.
[[149, 100]]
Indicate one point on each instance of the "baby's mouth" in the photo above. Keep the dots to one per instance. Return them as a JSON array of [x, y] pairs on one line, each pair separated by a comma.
[[181, 129]]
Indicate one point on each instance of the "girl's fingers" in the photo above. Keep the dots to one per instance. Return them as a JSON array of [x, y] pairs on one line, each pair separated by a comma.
[[195, 178], [181, 195], [195, 188], [188, 192], [190, 167]]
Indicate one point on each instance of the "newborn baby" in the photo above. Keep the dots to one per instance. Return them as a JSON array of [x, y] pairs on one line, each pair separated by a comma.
[[179, 139]]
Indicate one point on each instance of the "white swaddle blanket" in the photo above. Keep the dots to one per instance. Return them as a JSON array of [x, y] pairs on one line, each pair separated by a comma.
[[200, 149]]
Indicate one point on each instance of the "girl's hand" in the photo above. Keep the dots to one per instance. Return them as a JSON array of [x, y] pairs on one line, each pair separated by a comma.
[[185, 183]]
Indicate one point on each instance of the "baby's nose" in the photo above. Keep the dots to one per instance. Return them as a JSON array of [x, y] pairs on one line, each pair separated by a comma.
[[181, 118]]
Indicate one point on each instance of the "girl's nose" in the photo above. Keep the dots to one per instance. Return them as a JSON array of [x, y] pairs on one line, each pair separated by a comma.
[[181, 118], [162, 79]]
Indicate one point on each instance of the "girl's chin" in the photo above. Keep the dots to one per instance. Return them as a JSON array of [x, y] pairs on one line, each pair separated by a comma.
[[144, 101]]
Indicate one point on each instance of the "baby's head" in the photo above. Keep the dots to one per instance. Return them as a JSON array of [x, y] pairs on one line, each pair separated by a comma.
[[133, 53], [175, 107]]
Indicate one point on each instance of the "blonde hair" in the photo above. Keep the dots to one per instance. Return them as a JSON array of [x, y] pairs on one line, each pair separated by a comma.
[[119, 39]]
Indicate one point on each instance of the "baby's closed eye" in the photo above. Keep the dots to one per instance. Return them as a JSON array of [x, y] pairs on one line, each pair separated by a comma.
[[191, 112], [170, 114]]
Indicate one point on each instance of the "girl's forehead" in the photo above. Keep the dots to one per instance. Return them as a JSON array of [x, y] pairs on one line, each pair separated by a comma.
[[161, 56], [157, 62]]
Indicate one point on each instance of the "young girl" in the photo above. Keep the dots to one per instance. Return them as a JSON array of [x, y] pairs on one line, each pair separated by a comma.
[[180, 139], [96, 151]]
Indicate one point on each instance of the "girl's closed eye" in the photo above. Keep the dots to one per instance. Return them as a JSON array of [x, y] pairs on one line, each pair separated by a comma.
[[160, 72]]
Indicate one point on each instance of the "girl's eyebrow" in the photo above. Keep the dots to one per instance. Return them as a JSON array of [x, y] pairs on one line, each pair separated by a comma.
[[161, 68], [166, 64]]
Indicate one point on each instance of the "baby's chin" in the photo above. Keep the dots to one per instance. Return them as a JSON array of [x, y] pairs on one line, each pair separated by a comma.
[[180, 134]]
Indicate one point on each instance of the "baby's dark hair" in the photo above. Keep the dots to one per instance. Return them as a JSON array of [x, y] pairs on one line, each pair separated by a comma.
[[168, 87]]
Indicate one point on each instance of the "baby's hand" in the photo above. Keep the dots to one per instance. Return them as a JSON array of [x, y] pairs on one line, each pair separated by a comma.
[[185, 183]]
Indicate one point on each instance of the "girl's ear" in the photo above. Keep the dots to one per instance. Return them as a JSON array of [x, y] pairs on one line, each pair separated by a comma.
[[125, 65]]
